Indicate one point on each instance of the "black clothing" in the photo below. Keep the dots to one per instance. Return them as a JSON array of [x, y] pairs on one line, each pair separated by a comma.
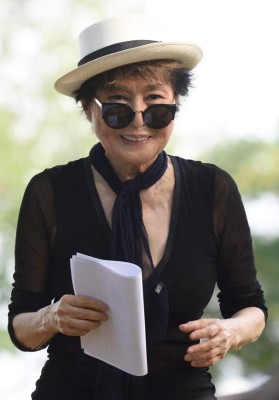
[[129, 239], [209, 241]]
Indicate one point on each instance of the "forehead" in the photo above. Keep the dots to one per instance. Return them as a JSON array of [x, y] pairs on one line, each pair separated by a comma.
[[137, 82], [136, 86]]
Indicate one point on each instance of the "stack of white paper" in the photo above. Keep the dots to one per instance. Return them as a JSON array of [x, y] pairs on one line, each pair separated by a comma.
[[119, 341]]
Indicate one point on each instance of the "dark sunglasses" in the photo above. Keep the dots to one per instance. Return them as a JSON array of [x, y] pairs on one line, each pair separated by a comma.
[[118, 116]]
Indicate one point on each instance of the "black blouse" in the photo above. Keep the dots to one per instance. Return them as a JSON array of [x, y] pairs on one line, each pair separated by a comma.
[[209, 242]]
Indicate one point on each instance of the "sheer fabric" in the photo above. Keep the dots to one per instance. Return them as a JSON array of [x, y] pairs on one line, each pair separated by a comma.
[[209, 242]]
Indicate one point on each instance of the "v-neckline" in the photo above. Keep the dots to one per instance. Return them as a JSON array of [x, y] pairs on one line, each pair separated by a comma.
[[174, 213]]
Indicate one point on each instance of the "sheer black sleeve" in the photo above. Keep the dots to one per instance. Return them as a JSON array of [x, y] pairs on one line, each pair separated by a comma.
[[237, 277], [34, 237]]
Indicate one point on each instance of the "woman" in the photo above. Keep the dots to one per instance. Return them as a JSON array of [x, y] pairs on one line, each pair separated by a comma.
[[182, 221]]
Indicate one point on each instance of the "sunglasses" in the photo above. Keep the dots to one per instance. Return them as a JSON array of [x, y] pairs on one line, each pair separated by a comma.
[[118, 116]]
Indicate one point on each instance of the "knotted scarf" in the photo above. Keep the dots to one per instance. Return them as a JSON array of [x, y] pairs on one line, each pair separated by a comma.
[[129, 242]]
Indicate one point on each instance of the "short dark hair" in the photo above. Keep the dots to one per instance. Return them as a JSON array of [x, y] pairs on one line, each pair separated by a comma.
[[169, 71]]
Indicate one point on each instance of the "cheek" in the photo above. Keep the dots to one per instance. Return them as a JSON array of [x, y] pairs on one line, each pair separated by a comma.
[[105, 135], [164, 135]]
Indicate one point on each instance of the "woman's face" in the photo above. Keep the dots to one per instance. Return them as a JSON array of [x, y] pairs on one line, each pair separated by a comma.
[[134, 148]]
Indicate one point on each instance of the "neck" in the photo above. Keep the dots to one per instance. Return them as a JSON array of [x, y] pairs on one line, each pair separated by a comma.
[[129, 170]]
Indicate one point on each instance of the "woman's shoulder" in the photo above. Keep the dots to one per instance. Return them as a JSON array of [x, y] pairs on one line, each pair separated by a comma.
[[43, 179], [221, 176], [195, 168], [65, 169], [212, 181]]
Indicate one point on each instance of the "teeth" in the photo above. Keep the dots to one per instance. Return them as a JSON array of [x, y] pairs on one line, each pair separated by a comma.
[[134, 139]]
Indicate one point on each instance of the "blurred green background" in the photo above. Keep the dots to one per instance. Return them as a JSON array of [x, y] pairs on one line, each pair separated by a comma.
[[40, 128]]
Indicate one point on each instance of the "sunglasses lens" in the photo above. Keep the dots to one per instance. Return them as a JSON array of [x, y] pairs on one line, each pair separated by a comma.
[[159, 116], [117, 116]]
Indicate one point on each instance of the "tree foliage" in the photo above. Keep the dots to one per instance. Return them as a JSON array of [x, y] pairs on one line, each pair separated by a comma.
[[253, 164]]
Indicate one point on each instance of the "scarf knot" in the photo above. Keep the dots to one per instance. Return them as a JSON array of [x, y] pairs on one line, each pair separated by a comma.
[[130, 188]]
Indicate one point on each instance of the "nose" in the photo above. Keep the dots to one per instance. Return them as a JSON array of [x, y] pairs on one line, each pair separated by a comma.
[[138, 107], [138, 119]]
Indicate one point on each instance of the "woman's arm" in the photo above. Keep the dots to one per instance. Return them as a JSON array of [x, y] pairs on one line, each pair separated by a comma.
[[33, 319], [71, 315], [241, 297], [220, 335]]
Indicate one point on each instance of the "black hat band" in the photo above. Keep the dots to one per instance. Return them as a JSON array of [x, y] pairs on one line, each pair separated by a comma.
[[114, 48]]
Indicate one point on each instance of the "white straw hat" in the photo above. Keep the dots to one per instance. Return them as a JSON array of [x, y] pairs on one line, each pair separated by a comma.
[[124, 40]]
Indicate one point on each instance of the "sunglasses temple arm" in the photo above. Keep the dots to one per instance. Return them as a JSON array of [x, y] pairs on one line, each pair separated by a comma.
[[97, 102]]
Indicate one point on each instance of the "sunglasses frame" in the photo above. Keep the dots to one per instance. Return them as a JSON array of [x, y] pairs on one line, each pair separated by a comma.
[[172, 108]]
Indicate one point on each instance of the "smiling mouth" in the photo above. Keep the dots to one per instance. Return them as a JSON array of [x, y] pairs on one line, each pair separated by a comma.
[[135, 139]]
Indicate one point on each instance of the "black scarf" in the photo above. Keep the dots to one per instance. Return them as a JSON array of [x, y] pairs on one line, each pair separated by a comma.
[[129, 238], [129, 242]]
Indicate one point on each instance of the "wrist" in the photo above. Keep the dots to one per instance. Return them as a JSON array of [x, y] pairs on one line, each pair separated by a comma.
[[247, 325], [47, 321]]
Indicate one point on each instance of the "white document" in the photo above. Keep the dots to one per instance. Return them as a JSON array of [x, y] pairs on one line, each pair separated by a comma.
[[119, 341]]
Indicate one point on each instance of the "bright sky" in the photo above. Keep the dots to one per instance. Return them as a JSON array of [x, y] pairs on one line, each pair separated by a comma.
[[237, 83]]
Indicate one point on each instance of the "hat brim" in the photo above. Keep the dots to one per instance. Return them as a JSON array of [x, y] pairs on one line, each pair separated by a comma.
[[188, 54]]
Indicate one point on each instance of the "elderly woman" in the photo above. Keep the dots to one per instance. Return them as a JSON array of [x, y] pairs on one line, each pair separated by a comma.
[[181, 221]]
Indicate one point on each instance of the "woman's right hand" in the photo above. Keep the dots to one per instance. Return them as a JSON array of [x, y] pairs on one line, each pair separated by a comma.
[[76, 315]]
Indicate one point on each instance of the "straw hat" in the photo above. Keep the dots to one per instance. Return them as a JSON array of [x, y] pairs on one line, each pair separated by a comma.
[[118, 41]]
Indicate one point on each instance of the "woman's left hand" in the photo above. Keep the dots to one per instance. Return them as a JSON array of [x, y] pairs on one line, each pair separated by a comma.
[[218, 337]]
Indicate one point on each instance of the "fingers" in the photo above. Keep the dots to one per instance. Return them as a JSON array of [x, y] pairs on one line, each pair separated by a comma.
[[215, 338], [208, 359], [77, 315], [206, 355], [86, 302], [192, 326]]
